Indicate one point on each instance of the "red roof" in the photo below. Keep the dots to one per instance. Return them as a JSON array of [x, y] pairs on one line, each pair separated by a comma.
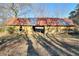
[[69, 21], [17, 21], [41, 21], [54, 21]]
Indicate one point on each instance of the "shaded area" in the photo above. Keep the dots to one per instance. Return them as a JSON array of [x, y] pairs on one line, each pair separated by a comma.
[[67, 46], [31, 51], [9, 38], [39, 29], [62, 45], [74, 35], [13, 45], [47, 45]]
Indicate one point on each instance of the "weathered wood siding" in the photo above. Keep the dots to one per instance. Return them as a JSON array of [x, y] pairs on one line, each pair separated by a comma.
[[55, 29], [26, 29], [48, 29]]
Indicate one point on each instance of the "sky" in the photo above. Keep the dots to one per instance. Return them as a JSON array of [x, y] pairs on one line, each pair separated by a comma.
[[55, 10], [59, 10]]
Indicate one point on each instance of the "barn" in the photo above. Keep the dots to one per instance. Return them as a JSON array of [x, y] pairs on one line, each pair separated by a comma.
[[20, 24], [44, 25], [54, 25]]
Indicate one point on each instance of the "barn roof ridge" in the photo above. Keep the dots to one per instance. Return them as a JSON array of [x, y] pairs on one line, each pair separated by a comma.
[[23, 21]]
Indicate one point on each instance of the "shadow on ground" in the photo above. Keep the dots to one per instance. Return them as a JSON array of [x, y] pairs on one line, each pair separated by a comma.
[[31, 51], [47, 45]]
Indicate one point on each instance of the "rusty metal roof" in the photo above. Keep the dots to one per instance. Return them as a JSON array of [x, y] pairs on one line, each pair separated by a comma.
[[18, 21], [55, 21], [40, 21]]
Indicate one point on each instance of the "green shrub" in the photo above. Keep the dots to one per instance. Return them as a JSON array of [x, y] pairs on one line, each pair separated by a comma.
[[11, 30]]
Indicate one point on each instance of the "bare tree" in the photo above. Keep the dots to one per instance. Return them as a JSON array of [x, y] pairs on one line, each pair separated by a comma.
[[13, 10]]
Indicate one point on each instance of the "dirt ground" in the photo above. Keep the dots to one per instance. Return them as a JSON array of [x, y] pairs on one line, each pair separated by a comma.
[[3, 34], [13, 45], [39, 44]]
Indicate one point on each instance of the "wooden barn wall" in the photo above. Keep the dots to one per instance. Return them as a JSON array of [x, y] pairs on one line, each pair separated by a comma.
[[48, 29]]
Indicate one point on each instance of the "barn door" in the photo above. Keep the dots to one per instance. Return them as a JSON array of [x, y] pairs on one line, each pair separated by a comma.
[[39, 29]]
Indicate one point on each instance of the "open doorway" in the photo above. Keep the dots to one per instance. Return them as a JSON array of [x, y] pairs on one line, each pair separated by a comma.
[[20, 29], [39, 29]]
